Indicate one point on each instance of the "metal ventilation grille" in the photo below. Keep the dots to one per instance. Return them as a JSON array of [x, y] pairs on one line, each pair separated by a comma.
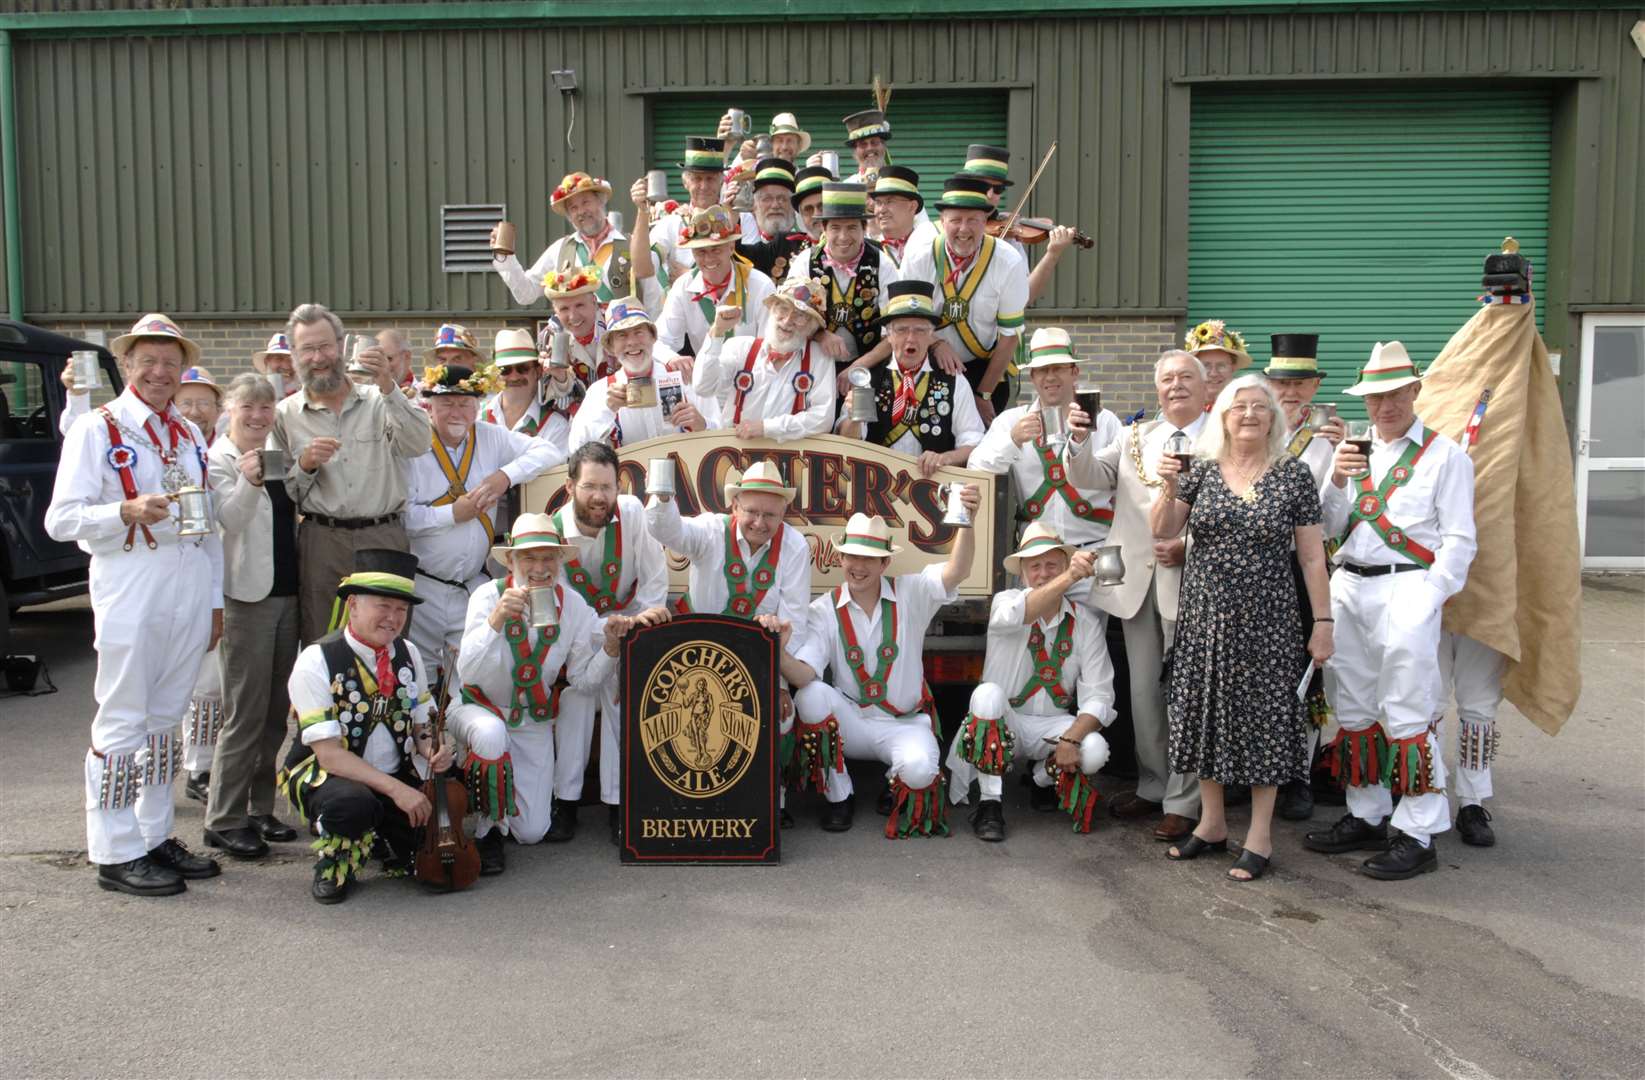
[[465, 236]]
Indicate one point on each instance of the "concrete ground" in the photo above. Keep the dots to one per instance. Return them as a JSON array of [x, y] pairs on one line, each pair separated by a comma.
[[1049, 955]]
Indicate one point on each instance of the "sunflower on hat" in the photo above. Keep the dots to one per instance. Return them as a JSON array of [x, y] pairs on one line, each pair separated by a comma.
[[1215, 334]]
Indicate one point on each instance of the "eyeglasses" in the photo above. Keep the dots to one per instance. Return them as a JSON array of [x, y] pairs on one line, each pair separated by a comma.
[[1251, 408], [317, 350], [596, 489]]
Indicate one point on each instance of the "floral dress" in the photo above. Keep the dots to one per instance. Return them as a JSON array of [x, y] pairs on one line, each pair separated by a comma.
[[1235, 717]]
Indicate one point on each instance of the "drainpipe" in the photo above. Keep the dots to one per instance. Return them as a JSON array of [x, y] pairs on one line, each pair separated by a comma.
[[8, 181]]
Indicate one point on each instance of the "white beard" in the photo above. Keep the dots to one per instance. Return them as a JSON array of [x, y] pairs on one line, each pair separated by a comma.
[[779, 342]]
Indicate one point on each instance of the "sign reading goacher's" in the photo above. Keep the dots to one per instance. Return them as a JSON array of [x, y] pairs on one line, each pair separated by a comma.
[[833, 478], [699, 742]]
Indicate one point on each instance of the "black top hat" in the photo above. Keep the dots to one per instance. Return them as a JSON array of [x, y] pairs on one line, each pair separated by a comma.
[[774, 171], [455, 380], [911, 299], [809, 181], [1294, 356], [962, 192], [866, 124], [899, 180], [991, 163], [705, 154], [1507, 272], [382, 572]]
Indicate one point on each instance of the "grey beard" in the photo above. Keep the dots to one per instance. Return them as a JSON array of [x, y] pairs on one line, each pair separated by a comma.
[[776, 225], [779, 342], [323, 384]]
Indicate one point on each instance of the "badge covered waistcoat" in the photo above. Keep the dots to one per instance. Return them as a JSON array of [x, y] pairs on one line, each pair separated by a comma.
[[857, 309], [357, 711], [933, 420]]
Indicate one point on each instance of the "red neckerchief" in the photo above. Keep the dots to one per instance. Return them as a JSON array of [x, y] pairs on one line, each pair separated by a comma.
[[848, 269], [906, 399], [385, 672], [586, 341], [958, 266], [594, 244], [174, 428], [716, 292], [894, 245]]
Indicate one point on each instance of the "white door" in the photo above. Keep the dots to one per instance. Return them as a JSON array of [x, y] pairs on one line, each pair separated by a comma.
[[1610, 467]]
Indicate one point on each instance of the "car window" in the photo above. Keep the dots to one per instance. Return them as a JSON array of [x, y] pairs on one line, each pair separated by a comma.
[[24, 412]]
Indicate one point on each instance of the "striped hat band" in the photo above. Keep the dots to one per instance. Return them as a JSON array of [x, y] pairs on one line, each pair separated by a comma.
[[896, 185], [1404, 371], [376, 579], [1038, 546], [759, 484], [1042, 351], [514, 356], [864, 132], [528, 538], [856, 200], [966, 200], [774, 172], [704, 159], [997, 170], [908, 304], [878, 543], [810, 184], [1294, 363]]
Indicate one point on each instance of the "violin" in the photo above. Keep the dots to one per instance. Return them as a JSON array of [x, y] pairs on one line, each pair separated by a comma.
[[1030, 231], [447, 859]]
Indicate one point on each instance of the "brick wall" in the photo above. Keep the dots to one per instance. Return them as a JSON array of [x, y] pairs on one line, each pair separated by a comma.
[[1118, 354]]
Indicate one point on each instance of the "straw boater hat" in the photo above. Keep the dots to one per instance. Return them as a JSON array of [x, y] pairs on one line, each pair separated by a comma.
[[990, 163], [626, 314], [784, 123], [911, 299], [532, 531], [278, 345], [1389, 368], [899, 180], [1294, 356], [1049, 347], [866, 535], [709, 227], [844, 202], [1037, 539], [453, 336], [455, 380], [160, 328], [866, 124], [773, 171], [809, 181], [1214, 335], [762, 478], [961, 192], [575, 184], [806, 297], [382, 572], [513, 347], [199, 376], [571, 281], [704, 154]]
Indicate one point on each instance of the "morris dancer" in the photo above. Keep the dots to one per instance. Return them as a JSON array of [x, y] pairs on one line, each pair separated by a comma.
[[778, 386], [594, 242], [605, 415]]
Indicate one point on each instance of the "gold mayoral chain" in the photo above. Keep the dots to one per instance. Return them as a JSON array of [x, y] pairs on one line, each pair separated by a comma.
[[1136, 457]]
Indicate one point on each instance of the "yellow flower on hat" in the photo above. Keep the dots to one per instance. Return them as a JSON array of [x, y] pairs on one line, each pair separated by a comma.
[[433, 376], [575, 277]]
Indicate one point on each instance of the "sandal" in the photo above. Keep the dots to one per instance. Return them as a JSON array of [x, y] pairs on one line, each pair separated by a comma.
[[1252, 863], [1194, 847]]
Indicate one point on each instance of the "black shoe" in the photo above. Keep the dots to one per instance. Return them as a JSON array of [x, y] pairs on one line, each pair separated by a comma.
[[242, 843], [1472, 827], [1042, 799], [327, 891], [1296, 801], [883, 806], [198, 786], [562, 825], [172, 853], [272, 829], [988, 821], [785, 818], [140, 877], [614, 818], [491, 853], [1405, 858], [836, 816], [1348, 834]]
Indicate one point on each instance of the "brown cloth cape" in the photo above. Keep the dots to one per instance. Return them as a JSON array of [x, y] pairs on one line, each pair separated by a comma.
[[1524, 592]]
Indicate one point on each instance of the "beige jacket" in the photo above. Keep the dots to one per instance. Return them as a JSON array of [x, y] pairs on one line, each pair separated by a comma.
[[246, 516]]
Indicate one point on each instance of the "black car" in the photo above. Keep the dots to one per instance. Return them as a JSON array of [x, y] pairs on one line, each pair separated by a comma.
[[34, 568]]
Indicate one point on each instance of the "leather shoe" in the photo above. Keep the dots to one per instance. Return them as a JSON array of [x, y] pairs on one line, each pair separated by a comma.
[[242, 843], [327, 891], [272, 829], [198, 786], [988, 821], [490, 847], [883, 806], [1131, 806], [140, 877], [614, 818], [836, 816], [1174, 827], [1296, 801], [1042, 799], [1348, 834], [1473, 828], [175, 855], [785, 818], [562, 825], [1405, 858]]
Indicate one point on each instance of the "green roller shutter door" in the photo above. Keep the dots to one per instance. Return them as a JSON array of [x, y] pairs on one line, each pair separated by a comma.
[[1361, 215], [930, 129]]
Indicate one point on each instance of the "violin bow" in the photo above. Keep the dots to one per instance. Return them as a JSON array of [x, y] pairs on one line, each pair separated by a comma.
[[1029, 190]]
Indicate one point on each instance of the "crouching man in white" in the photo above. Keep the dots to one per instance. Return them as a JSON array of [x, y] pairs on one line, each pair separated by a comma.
[[520, 650], [1053, 653], [870, 631]]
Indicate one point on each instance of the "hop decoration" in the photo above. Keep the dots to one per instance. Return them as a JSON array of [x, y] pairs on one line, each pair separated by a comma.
[[1214, 333], [484, 381], [433, 376]]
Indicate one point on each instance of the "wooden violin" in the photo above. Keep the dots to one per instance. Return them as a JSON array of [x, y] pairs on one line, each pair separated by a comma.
[[447, 859], [1030, 231]]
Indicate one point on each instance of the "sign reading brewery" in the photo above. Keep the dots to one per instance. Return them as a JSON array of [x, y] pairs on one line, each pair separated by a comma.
[[833, 478], [699, 742]]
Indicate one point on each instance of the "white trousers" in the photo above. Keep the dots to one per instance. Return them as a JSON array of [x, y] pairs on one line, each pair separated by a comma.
[[906, 746], [1473, 673], [574, 733], [437, 622], [152, 613], [204, 720], [1387, 635], [531, 748], [1030, 731]]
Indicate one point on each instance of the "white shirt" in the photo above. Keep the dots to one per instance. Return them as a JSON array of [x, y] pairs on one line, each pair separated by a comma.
[[1435, 508], [771, 398], [968, 426], [311, 696], [486, 659], [683, 320], [919, 236], [527, 285], [457, 552], [595, 420], [997, 453], [666, 250], [644, 565], [1087, 672], [917, 596], [701, 540], [86, 496], [996, 307]]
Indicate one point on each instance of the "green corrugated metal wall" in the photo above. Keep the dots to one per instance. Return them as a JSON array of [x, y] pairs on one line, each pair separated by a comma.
[[929, 130], [1361, 215]]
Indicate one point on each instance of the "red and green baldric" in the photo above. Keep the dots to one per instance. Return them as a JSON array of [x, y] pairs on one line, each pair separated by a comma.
[[1372, 505], [531, 697], [871, 689], [1057, 483], [1047, 672], [739, 599], [602, 598]]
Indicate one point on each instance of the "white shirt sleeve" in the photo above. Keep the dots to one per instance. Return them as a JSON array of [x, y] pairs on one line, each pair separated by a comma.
[[310, 690], [651, 565], [76, 511], [968, 429], [594, 419], [526, 285], [695, 538], [1094, 688], [530, 456], [997, 452], [1454, 509], [483, 657], [672, 325], [78, 406], [793, 577], [716, 366]]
